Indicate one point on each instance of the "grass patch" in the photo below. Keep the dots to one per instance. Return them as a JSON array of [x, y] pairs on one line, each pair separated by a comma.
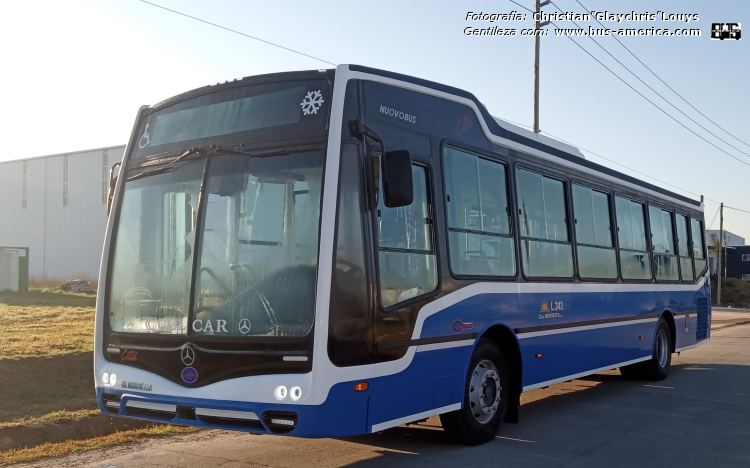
[[38, 323], [47, 397], [70, 446], [54, 417], [46, 354], [734, 292], [32, 387]]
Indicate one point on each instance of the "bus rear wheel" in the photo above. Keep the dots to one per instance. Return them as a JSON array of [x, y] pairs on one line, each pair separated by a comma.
[[656, 368], [486, 396]]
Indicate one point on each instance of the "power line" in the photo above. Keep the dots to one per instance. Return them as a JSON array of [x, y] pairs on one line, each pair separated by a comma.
[[516, 123], [652, 89], [712, 221], [665, 84], [611, 160], [628, 168], [641, 94], [736, 209], [238, 32]]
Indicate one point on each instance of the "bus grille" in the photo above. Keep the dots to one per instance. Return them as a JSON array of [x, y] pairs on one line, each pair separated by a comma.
[[701, 331]]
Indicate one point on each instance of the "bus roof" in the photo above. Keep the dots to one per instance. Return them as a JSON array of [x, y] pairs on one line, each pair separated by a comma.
[[504, 129], [496, 126]]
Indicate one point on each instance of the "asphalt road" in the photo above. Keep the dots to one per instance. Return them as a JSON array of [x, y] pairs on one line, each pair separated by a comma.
[[698, 417]]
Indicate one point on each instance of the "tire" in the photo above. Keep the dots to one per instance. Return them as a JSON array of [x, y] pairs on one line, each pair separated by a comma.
[[482, 414], [656, 368]]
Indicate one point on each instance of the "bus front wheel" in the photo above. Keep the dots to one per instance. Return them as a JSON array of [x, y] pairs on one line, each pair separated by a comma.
[[656, 368], [486, 396]]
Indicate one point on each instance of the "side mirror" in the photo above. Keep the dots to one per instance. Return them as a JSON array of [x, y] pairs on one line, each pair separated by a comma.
[[397, 179]]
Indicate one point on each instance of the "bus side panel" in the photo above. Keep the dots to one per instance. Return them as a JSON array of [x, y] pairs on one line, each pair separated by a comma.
[[534, 309], [572, 353], [696, 326], [608, 343], [434, 379]]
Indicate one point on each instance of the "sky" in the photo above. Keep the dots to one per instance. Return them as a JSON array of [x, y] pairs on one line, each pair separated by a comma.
[[76, 72]]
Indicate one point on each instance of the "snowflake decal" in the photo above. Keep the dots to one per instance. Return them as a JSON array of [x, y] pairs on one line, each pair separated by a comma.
[[312, 102]]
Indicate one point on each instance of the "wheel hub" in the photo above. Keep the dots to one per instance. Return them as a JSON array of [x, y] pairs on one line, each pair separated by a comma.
[[662, 348], [484, 391]]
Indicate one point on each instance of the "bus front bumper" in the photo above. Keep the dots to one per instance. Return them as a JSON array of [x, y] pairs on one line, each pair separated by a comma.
[[343, 413]]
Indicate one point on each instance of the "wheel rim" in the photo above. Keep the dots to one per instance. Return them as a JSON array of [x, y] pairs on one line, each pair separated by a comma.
[[484, 391], [662, 348]]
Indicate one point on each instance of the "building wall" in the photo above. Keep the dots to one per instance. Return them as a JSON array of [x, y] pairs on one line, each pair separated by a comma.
[[736, 267], [64, 241], [730, 239]]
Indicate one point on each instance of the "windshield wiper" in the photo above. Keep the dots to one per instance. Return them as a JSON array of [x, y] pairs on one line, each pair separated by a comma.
[[168, 168], [259, 153]]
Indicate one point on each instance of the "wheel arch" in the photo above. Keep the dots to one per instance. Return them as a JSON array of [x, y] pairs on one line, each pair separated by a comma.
[[507, 340], [669, 318]]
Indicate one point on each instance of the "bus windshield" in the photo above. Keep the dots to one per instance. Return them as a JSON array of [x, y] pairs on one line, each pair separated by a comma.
[[256, 248]]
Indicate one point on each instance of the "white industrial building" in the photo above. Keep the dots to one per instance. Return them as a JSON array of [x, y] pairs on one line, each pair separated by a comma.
[[56, 206]]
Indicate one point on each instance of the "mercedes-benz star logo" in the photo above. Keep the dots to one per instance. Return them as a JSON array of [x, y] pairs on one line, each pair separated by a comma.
[[188, 355], [245, 326]]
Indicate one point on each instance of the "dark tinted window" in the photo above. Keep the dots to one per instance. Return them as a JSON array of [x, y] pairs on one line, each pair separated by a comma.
[[348, 309], [389, 108], [265, 111]]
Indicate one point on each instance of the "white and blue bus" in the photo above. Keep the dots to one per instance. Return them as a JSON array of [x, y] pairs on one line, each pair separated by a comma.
[[337, 252]]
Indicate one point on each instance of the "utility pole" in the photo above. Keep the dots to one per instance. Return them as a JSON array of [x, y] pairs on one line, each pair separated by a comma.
[[538, 25], [718, 254]]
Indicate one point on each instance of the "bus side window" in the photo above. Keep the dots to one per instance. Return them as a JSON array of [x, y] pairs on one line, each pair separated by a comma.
[[596, 252], [698, 255], [479, 234], [542, 223], [683, 249], [408, 264], [635, 261], [662, 244]]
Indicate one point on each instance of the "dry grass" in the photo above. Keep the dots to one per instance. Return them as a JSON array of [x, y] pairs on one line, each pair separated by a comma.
[[46, 377], [36, 282], [62, 448], [46, 344], [32, 387], [54, 417], [39, 323], [734, 292]]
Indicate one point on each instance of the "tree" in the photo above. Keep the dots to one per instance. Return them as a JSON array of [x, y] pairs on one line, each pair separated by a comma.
[[715, 243]]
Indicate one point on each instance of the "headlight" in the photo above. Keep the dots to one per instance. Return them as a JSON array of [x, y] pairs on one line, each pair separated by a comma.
[[105, 378], [280, 392], [295, 393], [112, 379]]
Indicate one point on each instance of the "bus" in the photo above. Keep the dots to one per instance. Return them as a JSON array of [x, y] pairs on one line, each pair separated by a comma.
[[337, 252]]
